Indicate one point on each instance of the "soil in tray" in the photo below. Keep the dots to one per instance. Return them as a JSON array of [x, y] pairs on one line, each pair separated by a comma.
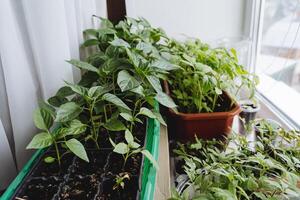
[[116, 161], [80, 188], [39, 189], [129, 192], [52, 169], [96, 165]]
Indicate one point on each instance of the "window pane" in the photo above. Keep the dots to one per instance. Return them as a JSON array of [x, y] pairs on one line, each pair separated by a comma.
[[280, 46]]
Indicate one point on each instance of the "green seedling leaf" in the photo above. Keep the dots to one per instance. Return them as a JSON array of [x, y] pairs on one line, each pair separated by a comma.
[[57, 101], [148, 155], [119, 43], [154, 81], [115, 100], [83, 65], [138, 90], [90, 42], [106, 31], [164, 65], [40, 141], [128, 136], [160, 118], [49, 159], [64, 92], [42, 118], [112, 142], [127, 117], [121, 148], [114, 125], [82, 91], [165, 100], [126, 81], [97, 91], [67, 112], [75, 128], [147, 112], [77, 148]]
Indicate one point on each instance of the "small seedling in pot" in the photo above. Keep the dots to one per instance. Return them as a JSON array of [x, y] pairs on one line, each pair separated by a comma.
[[131, 148], [119, 180], [64, 135]]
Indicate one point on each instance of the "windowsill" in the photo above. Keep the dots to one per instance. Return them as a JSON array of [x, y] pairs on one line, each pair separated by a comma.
[[282, 100]]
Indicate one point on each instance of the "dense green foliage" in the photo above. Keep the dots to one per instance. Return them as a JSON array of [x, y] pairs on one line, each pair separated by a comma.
[[204, 76], [119, 87], [269, 170]]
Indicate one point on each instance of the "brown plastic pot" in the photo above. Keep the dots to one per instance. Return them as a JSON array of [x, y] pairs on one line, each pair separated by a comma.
[[184, 126]]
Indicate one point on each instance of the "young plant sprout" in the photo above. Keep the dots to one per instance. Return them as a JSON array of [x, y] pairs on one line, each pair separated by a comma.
[[131, 148]]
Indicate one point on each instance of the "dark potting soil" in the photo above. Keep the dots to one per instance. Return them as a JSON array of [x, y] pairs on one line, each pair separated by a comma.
[[40, 188], [77, 179], [127, 193]]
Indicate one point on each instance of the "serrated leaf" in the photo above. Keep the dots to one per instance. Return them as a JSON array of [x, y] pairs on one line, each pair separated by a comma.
[[114, 125], [49, 159], [115, 100], [148, 155], [165, 100], [119, 43], [68, 112], [77, 148], [121, 148], [42, 118], [40, 141], [83, 65], [126, 81], [128, 136]]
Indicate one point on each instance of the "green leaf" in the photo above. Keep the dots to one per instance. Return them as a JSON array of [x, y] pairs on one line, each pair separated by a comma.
[[106, 31], [90, 42], [154, 81], [83, 65], [49, 159], [82, 91], [147, 112], [127, 116], [126, 81], [57, 101], [145, 47], [114, 125], [42, 118], [148, 155], [138, 90], [68, 112], [128, 136], [97, 91], [77, 148], [164, 65], [119, 43], [121, 148], [115, 100], [64, 92], [76, 127], [40, 141], [165, 100], [160, 118], [91, 32]]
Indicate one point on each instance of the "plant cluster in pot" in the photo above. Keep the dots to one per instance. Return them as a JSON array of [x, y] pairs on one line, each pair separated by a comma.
[[94, 131], [205, 89]]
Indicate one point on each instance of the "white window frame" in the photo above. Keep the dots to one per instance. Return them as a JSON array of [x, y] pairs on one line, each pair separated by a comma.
[[273, 105]]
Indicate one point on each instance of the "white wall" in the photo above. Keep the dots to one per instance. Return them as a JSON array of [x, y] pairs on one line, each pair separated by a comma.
[[208, 20]]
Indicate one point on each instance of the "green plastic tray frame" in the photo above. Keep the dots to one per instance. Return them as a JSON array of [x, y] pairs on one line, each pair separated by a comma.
[[148, 175]]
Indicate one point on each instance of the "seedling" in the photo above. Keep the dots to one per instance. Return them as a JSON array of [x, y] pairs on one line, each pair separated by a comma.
[[119, 180], [131, 148]]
